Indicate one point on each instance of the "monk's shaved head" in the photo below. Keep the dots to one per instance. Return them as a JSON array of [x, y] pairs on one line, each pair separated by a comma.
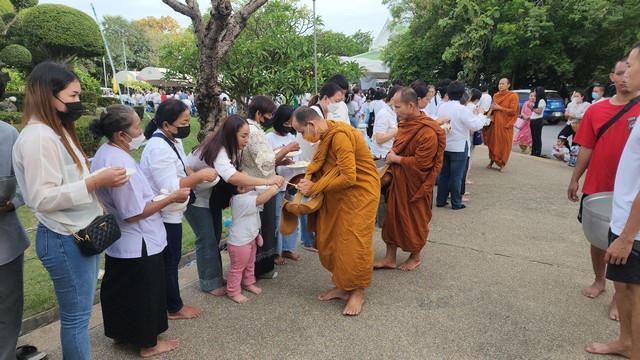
[[305, 114], [407, 95]]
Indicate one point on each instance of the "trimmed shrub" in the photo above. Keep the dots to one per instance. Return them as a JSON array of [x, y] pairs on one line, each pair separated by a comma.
[[19, 95], [13, 118], [89, 108], [23, 4], [88, 84], [106, 101], [16, 56], [89, 97], [6, 7], [88, 142], [140, 111]]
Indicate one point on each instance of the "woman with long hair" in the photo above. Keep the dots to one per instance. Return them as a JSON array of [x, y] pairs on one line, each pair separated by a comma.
[[132, 292], [163, 164], [53, 173], [523, 136], [537, 113]]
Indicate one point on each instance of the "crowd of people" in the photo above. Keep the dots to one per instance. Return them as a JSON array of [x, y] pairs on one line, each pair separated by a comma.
[[286, 174]]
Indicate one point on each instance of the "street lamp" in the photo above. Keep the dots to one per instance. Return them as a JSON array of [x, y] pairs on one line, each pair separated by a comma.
[[315, 49]]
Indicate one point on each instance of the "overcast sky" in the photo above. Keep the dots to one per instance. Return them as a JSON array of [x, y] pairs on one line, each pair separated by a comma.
[[338, 15]]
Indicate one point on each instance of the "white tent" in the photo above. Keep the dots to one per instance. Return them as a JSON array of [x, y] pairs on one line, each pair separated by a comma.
[[155, 77], [121, 76], [383, 37]]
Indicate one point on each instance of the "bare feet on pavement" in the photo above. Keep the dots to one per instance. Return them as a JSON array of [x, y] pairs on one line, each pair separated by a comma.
[[385, 264], [616, 347], [310, 248], [187, 312], [334, 293], [594, 290], [502, 169], [490, 165], [354, 305], [613, 311], [410, 265], [279, 260], [464, 199], [221, 291], [468, 182], [253, 289], [160, 348], [240, 299], [290, 255]]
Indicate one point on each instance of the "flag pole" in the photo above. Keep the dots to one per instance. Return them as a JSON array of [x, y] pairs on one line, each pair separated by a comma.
[[104, 41]]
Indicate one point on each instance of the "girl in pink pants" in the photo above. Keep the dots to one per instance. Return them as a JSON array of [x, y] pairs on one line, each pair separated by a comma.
[[244, 238]]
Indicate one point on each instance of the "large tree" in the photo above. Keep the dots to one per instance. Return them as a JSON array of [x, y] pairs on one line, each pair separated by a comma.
[[138, 49], [214, 38]]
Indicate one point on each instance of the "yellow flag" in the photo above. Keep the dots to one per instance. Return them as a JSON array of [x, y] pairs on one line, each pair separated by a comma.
[[115, 86]]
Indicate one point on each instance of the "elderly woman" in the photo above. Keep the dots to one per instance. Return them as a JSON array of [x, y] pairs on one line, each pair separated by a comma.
[[343, 171]]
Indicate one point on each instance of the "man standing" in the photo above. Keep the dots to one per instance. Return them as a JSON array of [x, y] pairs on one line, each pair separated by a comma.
[[601, 156], [13, 243], [623, 254], [503, 113], [415, 161]]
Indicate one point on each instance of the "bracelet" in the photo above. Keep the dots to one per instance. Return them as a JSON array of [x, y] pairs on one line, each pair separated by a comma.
[[95, 184]]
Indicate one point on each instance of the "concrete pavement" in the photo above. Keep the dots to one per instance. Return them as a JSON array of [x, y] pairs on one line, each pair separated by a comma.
[[500, 279]]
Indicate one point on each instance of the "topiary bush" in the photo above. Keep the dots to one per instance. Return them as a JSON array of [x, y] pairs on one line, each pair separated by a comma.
[[19, 95], [23, 4], [89, 97], [88, 85], [13, 118], [140, 111], [16, 56], [6, 7], [106, 101], [88, 142]]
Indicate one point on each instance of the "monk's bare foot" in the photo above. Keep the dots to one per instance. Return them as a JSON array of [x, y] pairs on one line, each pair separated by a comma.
[[310, 248], [290, 255], [410, 265], [253, 289], [616, 347], [160, 348], [593, 290], [221, 291], [187, 312], [240, 299], [464, 199], [502, 168], [385, 263], [354, 305], [334, 293], [613, 311], [279, 260], [468, 182], [490, 165]]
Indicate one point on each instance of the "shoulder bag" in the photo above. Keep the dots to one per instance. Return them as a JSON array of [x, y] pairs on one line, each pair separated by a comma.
[[98, 235]]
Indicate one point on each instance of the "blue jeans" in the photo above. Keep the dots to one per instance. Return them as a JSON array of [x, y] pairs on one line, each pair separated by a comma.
[[451, 178], [207, 253], [74, 277], [306, 236], [284, 242], [172, 254]]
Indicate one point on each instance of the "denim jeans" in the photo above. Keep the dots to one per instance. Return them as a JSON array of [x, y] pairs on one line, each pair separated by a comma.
[[451, 178], [208, 257], [74, 277], [306, 236], [284, 242], [172, 254]]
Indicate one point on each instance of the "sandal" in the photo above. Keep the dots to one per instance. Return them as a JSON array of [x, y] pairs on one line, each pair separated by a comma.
[[29, 352]]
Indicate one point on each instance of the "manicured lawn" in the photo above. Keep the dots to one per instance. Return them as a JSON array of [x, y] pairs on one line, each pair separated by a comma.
[[38, 288]]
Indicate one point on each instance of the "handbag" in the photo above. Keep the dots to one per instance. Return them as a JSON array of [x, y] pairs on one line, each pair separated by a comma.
[[98, 235], [519, 123], [477, 138]]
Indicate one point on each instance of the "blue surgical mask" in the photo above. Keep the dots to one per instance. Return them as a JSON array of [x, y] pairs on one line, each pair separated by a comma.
[[594, 95]]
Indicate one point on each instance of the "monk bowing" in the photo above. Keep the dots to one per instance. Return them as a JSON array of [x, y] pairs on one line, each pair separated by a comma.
[[343, 171], [499, 135], [414, 163]]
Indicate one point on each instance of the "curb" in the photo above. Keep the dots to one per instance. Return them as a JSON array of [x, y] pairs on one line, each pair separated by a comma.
[[52, 315]]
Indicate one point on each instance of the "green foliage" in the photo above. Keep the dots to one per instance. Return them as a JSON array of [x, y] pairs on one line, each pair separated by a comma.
[[6, 7], [363, 40], [13, 118], [58, 32], [137, 85], [137, 46], [140, 111], [19, 95], [23, 4], [88, 142], [16, 56], [180, 56], [339, 44], [106, 101], [88, 85], [18, 80]]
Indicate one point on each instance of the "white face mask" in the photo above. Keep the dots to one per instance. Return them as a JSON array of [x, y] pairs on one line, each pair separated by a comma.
[[333, 107], [135, 142]]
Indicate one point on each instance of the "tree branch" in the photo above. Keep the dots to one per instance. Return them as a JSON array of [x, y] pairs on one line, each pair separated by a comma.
[[9, 25], [191, 10], [236, 24]]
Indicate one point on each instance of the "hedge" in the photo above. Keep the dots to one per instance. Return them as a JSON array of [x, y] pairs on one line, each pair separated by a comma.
[[19, 95], [106, 101], [13, 118], [140, 111], [16, 56], [89, 97]]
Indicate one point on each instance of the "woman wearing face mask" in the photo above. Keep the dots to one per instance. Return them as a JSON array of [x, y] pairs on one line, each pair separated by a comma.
[[132, 292], [163, 164], [52, 172], [258, 160], [575, 110]]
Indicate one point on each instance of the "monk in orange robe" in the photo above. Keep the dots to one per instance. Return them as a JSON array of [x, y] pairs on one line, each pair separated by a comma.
[[415, 161], [342, 170], [503, 113]]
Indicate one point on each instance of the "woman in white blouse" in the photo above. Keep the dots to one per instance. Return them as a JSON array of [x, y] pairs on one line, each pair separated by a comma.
[[163, 163], [575, 111], [52, 171], [132, 292]]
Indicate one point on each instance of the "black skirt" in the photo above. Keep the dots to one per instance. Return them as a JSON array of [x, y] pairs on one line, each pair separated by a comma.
[[133, 299], [267, 252]]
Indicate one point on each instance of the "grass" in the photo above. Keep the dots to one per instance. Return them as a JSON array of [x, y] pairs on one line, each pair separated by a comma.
[[38, 288]]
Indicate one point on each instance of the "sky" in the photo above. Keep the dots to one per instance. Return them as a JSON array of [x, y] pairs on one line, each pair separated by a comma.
[[338, 15]]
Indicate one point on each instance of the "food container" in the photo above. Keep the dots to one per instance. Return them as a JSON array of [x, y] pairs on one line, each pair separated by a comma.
[[7, 188], [596, 216]]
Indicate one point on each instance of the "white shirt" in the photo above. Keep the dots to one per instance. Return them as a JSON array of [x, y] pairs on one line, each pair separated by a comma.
[[276, 142], [385, 121], [127, 201], [202, 195], [245, 219], [542, 104], [485, 102], [433, 106], [577, 110], [52, 186], [342, 114], [462, 121], [627, 183], [224, 166], [163, 170]]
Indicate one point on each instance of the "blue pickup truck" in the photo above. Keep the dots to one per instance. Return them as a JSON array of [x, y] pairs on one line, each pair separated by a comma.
[[554, 112]]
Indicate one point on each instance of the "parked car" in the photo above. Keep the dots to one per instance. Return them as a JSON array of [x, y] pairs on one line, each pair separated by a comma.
[[554, 112]]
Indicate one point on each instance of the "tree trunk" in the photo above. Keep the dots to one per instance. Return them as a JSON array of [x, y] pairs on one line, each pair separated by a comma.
[[210, 107]]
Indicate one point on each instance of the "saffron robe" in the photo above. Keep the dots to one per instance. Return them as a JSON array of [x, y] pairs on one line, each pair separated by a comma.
[[499, 136], [420, 142]]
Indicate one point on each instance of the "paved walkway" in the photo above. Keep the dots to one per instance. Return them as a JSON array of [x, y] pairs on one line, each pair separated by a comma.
[[500, 280]]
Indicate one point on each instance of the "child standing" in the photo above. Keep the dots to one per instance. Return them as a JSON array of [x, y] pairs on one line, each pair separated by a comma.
[[244, 237]]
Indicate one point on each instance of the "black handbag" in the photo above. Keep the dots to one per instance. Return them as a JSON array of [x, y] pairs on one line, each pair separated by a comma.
[[101, 233]]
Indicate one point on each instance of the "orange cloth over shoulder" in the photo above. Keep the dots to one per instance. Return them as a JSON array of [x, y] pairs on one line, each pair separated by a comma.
[[343, 170], [499, 136], [421, 142]]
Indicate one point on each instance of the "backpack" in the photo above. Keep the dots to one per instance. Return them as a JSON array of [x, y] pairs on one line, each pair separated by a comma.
[[372, 119]]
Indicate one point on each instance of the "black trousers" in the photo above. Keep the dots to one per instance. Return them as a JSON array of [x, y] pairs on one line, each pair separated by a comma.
[[536, 137]]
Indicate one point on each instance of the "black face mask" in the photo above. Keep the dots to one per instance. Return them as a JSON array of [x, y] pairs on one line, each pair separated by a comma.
[[183, 132], [288, 130], [73, 113], [268, 123]]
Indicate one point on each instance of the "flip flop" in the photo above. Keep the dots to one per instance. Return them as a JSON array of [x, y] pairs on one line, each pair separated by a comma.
[[28, 352]]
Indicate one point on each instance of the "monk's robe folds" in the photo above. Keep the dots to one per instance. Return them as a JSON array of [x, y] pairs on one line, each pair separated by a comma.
[[343, 169], [499, 136], [421, 144]]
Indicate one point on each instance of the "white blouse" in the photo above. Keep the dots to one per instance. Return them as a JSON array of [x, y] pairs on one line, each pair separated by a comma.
[[258, 159], [196, 164], [53, 187]]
